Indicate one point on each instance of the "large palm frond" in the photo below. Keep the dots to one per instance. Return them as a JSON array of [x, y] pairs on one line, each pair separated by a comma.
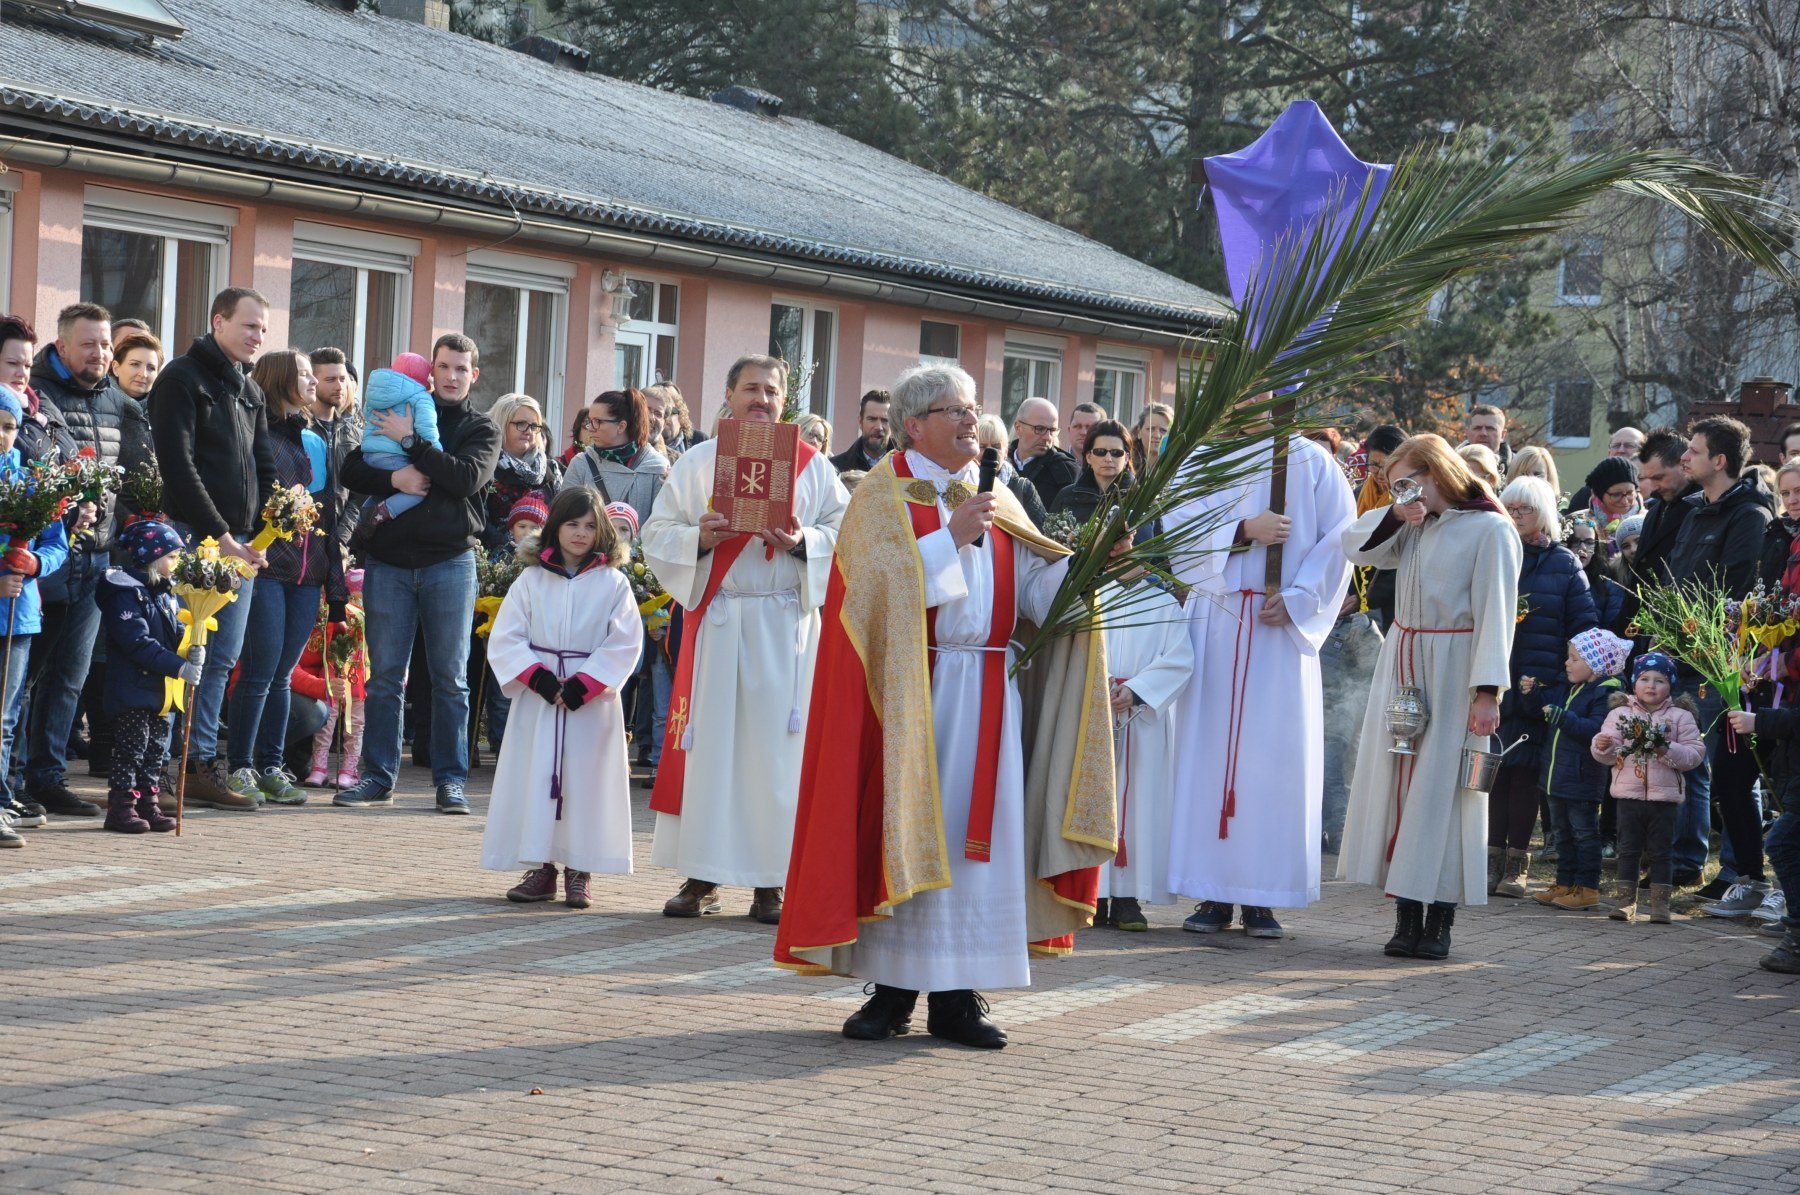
[[1333, 298]]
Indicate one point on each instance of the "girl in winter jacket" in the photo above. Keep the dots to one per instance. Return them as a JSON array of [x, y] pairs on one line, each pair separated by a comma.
[[1649, 788]]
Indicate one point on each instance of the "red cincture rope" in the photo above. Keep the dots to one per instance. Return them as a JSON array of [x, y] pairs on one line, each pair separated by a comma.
[[1119, 859], [1243, 641]]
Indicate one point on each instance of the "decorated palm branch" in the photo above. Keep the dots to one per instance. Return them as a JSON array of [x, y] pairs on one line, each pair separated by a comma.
[[1332, 297], [493, 579], [289, 513]]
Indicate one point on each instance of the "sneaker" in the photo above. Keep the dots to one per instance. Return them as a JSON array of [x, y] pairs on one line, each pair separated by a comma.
[[1609, 850], [1127, 914], [1773, 929], [22, 818], [9, 837], [244, 783], [1260, 922], [450, 799], [59, 800], [279, 788], [1209, 917], [577, 889], [1773, 908], [366, 795], [1745, 896], [539, 884]]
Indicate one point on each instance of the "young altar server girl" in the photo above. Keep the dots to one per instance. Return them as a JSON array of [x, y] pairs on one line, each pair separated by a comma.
[[1151, 656], [566, 638]]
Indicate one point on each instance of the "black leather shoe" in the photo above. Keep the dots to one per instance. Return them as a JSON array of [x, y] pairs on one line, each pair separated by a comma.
[[1409, 927], [961, 1017], [1435, 943], [58, 800], [887, 1013]]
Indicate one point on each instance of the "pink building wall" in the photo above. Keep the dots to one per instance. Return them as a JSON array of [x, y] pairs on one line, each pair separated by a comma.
[[721, 317]]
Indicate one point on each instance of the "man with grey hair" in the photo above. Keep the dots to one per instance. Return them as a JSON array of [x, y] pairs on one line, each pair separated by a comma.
[[930, 855], [1035, 454], [729, 777]]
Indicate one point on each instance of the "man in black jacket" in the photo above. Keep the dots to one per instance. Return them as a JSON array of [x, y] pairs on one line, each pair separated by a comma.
[[79, 407], [1720, 545], [875, 439], [420, 572], [1035, 456], [1659, 468], [210, 426]]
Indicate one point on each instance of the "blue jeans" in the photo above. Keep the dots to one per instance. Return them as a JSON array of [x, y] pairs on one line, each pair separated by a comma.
[[280, 620], [1577, 828], [1693, 821], [9, 720], [1781, 845], [222, 648], [65, 648], [662, 681], [439, 598]]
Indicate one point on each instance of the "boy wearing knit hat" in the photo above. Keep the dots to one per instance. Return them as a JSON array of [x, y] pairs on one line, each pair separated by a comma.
[[527, 517], [21, 607], [1573, 711]]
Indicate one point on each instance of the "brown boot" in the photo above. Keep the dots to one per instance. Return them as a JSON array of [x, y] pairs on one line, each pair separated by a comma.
[[1624, 895], [1496, 867], [1578, 898], [207, 787], [1513, 874], [1659, 903], [1548, 896], [696, 898], [765, 906]]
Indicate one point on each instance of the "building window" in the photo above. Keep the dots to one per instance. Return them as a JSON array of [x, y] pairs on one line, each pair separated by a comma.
[[515, 309], [644, 345], [940, 343], [351, 291], [1571, 414], [805, 336], [9, 182], [1119, 385], [155, 259], [1578, 277], [1591, 129], [1031, 369]]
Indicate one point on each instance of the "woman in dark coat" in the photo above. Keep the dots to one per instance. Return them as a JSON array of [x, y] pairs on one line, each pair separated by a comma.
[[1781, 542], [1553, 592], [1105, 463]]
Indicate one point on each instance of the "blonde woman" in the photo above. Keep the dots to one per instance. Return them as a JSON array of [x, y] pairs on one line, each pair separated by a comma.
[[1153, 423], [815, 431], [1480, 460], [525, 464], [1534, 461]]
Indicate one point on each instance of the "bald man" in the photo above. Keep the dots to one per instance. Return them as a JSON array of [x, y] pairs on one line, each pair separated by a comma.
[[1034, 453]]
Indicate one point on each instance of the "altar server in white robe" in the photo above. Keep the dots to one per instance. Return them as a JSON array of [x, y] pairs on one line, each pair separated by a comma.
[[729, 777], [1150, 659], [566, 638], [1250, 758]]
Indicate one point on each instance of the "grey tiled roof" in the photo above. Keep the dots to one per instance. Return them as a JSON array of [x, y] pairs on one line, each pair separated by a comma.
[[411, 106]]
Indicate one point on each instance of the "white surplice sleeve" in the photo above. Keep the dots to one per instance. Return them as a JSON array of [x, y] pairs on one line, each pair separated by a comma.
[[826, 498], [1316, 592]]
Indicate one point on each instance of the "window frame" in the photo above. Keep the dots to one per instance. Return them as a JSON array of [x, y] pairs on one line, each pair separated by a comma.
[[531, 275], [808, 348], [652, 330], [172, 222], [1586, 245], [1038, 350], [1121, 361], [1551, 439], [365, 252], [928, 359]]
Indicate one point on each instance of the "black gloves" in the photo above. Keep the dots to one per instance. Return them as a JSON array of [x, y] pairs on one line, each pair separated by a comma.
[[543, 682], [574, 693]]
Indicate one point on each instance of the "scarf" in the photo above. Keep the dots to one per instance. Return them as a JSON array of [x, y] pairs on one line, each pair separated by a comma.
[[624, 454], [527, 469]]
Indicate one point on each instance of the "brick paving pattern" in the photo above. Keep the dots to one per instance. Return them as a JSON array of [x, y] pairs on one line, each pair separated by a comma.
[[320, 999]]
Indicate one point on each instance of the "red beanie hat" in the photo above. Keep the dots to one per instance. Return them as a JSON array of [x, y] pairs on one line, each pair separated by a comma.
[[532, 506]]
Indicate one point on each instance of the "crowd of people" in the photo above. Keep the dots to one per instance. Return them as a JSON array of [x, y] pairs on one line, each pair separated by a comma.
[[1458, 576]]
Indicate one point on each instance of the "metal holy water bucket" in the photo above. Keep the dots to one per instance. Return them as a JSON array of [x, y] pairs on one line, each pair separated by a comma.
[[1481, 768]]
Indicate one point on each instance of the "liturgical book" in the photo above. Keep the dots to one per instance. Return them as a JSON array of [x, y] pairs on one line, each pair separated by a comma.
[[753, 477]]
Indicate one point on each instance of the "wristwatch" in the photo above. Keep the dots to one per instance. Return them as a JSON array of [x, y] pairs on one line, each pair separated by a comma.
[[408, 443]]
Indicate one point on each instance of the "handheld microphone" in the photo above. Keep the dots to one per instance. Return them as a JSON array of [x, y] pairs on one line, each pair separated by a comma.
[[990, 469]]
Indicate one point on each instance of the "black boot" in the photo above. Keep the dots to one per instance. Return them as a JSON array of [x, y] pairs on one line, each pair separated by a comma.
[[1409, 927], [1102, 913], [888, 1013], [961, 1017], [1435, 944]]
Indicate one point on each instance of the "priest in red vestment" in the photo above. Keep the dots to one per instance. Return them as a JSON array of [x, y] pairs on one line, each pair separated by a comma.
[[952, 819]]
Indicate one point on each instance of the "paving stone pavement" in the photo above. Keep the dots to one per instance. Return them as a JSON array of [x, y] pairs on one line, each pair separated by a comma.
[[323, 999]]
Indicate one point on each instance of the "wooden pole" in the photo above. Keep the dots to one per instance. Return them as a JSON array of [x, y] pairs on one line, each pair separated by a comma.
[[1283, 415], [187, 735]]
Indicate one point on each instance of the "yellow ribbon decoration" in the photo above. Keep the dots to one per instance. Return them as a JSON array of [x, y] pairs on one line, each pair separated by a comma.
[[268, 535], [490, 608], [174, 690]]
